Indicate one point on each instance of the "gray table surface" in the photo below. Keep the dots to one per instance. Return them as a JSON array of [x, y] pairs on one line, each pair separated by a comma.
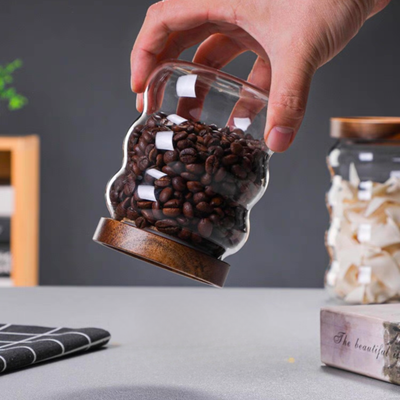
[[183, 343]]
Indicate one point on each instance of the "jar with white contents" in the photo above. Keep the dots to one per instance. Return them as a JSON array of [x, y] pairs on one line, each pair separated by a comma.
[[363, 240]]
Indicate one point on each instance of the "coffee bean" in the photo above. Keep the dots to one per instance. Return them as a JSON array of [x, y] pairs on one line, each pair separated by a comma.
[[220, 175], [169, 171], [205, 227], [185, 234], [163, 182], [157, 210], [184, 144], [132, 214], [236, 148], [144, 204], [178, 183], [147, 137], [165, 194], [188, 156], [199, 197], [143, 163], [153, 155], [195, 238], [140, 222], [171, 212], [217, 201], [159, 160], [212, 165], [196, 169], [216, 151], [188, 176], [230, 159], [239, 171], [173, 203], [204, 207], [194, 186], [188, 210], [163, 223], [148, 214], [129, 188], [170, 156], [206, 179], [209, 191], [180, 136]]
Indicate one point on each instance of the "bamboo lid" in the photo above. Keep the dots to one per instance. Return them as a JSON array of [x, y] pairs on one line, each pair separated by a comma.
[[161, 251], [367, 128]]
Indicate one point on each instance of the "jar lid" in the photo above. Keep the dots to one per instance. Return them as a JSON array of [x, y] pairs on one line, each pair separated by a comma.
[[368, 128]]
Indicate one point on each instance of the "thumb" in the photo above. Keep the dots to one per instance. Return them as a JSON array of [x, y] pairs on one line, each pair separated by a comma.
[[290, 85]]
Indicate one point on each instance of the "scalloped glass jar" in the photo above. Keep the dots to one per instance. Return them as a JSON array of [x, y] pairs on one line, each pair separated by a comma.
[[195, 161]]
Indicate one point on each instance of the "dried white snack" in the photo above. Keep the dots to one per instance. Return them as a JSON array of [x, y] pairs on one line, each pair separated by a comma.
[[364, 239]]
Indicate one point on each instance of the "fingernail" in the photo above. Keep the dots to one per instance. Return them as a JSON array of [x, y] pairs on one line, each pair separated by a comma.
[[279, 138]]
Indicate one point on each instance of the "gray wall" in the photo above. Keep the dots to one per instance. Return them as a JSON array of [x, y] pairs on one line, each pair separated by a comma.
[[76, 76]]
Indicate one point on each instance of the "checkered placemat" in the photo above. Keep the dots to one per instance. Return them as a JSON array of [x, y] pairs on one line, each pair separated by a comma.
[[22, 346]]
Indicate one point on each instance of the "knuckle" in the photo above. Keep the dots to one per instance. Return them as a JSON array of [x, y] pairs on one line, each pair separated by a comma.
[[292, 103], [154, 9]]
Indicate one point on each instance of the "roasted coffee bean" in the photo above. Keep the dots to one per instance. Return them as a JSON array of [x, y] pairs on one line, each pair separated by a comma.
[[136, 169], [169, 171], [188, 210], [165, 194], [188, 176], [185, 234], [188, 156], [178, 183], [180, 136], [147, 137], [204, 207], [239, 171], [216, 151], [192, 137], [230, 159], [173, 203], [163, 182], [209, 191], [171, 212], [196, 169], [212, 165], [199, 197], [151, 122], [184, 144], [159, 160], [167, 226], [153, 155], [201, 147], [148, 214], [113, 195], [178, 195], [217, 201], [143, 163], [206, 179], [215, 219], [144, 204], [149, 179], [132, 214], [140, 222], [195, 238], [183, 221], [178, 167], [220, 174], [164, 223], [205, 227], [194, 186], [142, 145], [170, 156], [236, 148], [157, 210]]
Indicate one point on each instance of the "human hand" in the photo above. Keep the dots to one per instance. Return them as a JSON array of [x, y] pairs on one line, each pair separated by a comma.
[[292, 39]]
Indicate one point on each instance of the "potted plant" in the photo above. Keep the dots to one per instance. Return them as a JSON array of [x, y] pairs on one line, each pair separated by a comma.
[[9, 94]]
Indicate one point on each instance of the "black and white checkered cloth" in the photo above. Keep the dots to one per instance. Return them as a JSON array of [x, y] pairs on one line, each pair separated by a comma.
[[22, 346]]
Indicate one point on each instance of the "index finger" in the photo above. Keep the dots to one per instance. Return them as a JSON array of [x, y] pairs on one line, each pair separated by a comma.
[[161, 20]]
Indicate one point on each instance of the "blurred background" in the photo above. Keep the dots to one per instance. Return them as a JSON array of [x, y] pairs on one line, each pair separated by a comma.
[[76, 76]]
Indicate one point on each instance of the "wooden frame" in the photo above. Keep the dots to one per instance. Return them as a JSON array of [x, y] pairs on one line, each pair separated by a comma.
[[24, 177]]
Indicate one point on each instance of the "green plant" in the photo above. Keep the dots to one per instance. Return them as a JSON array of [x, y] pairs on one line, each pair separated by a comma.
[[9, 94]]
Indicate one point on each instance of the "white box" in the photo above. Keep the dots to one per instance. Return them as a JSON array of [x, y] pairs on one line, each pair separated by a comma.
[[6, 201]]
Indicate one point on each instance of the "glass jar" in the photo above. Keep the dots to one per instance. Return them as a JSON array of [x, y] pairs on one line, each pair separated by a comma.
[[195, 163], [363, 240]]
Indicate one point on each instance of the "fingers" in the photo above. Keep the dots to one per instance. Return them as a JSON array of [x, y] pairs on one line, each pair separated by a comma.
[[139, 102], [248, 106], [290, 85], [161, 20], [218, 50]]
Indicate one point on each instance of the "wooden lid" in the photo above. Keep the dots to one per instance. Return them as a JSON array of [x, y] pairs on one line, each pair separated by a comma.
[[161, 251], [368, 128]]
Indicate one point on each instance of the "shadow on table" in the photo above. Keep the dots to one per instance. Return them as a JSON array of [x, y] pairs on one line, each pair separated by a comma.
[[364, 380], [135, 393]]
